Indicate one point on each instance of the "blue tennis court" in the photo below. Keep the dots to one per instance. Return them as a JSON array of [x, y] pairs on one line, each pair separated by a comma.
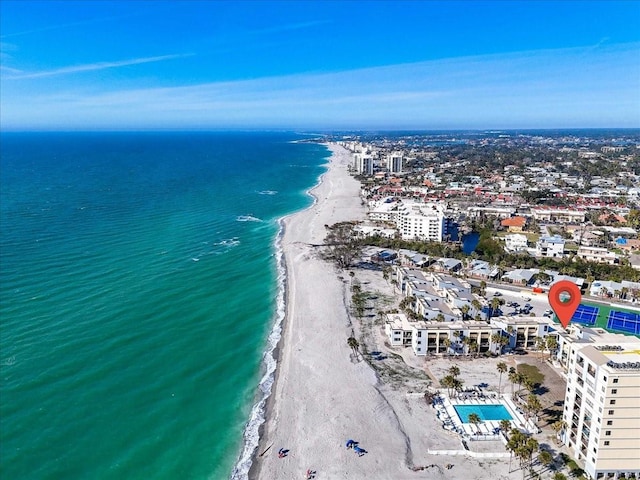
[[624, 322], [585, 314]]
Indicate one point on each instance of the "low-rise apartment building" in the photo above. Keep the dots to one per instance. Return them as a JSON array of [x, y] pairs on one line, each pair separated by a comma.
[[558, 215], [597, 254], [449, 338]]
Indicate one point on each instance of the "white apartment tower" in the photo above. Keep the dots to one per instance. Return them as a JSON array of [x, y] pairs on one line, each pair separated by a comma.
[[423, 221], [394, 162], [363, 163], [602, 408]]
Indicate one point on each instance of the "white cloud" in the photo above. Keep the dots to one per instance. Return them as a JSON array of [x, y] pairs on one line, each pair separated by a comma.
[[528, 89], [95, 66]]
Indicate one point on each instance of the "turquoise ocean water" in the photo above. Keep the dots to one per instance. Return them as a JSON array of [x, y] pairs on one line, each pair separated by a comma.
[[139, 285]]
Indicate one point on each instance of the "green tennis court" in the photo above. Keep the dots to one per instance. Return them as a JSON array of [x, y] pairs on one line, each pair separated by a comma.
[[604, 314]]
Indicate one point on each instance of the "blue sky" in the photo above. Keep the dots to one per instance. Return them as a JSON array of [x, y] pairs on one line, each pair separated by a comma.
[[319, 65]]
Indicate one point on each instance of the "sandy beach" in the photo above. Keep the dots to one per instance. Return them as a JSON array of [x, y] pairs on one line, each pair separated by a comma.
[[323, 396]]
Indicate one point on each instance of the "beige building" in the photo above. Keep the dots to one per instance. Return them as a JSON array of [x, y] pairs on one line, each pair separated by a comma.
[[453, 338], [597, 254], [602, 408]]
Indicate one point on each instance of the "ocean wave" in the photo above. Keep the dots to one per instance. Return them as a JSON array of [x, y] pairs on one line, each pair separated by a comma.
[[229, 242], [247, 218], [7, 362], [267, 192], [251, 433]]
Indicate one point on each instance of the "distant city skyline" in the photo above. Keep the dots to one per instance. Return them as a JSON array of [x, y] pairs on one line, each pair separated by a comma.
[[319, 65]]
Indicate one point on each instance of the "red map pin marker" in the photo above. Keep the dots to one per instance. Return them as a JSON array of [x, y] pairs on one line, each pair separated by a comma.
[[564, 298]]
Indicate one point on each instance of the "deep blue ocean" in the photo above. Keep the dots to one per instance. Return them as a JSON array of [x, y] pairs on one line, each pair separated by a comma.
[[140, 285]]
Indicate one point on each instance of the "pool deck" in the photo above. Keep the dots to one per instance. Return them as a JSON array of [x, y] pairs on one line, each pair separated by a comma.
[[486, 430]]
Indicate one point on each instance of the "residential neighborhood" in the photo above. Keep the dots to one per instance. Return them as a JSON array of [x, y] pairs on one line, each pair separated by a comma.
[[471, 244]]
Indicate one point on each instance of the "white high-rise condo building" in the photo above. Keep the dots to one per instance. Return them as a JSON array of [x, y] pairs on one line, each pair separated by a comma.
[[363, 163], [423, 221], [602, 409], [394, 162]]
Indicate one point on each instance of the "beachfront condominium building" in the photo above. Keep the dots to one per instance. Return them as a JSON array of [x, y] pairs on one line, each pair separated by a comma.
[[422, 221], [449, 338], [602, 408], [363, 163], [394, 162], [523, 332]]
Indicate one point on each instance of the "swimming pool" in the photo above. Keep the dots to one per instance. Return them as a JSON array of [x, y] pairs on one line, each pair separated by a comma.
[[485, 412]]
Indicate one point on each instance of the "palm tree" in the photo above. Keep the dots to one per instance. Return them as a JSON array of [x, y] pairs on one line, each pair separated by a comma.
[[386, 272], [533, 405], [465, 311], [545, 458], [447, 344], [448, 382], [457, 385], [505, 426], [520, 379], [552, 344], [475, 303], [454, 371], [475, 419], [353, 344], [474, 348], [502, 368], [458, 335], [466, 341], [541, 344], [529, 385], [495, 303], [513, 378], [558, 427]]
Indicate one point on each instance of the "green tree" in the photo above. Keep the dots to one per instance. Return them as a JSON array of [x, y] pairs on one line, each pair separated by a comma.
[[541, 344], [533, 405], [454, 371], [474, 418], [495, 305], [505, 426], [552, 345], [353, 344], [545, 458], [448, 382], [502, 368]]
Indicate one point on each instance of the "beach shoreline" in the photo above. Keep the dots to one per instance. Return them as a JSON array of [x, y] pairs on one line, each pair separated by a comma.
[[324, 394], [280, 324], [339, 158]]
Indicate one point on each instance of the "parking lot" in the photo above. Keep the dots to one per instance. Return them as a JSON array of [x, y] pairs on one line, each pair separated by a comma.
[[522, 303]]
